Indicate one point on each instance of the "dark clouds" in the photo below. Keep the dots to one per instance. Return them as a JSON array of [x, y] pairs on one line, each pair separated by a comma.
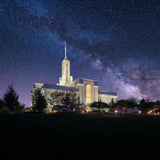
[[114, 42]]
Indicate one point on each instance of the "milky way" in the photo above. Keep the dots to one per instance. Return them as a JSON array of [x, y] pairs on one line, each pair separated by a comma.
[[114, 42]]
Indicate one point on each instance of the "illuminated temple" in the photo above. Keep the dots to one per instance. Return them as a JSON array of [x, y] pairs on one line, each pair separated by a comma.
[[86, 89]]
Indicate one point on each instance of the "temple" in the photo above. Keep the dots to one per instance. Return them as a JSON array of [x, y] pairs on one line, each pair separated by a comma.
[[86, 89]]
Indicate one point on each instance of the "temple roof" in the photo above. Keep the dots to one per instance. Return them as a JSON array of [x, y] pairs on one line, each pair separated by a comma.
[[58, 87], [107, 93], [79, 80]]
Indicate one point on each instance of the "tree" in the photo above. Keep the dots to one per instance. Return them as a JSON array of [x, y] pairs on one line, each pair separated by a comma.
[[68, 98], [142, 102], [2, 107], [124, 104], [1, 104], [79, 102], [20, 108], [132, 102], [112, 102], [99, 105], [56, 98], [40, 102], [145, 106], [11, 99]]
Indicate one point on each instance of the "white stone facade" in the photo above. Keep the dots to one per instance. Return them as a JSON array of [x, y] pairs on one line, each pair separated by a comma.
[[81, 84]]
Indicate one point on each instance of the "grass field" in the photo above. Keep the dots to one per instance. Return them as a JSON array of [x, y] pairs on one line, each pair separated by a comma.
[[73, 135]]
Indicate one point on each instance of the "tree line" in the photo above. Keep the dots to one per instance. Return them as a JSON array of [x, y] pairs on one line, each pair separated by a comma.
[[143, 105], [69, 99]]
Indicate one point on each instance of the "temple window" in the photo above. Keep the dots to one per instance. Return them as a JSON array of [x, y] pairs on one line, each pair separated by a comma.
[[88, 93]]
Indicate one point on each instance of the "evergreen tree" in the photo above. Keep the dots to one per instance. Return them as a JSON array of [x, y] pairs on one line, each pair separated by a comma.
[[2, 106], [11, 99], [70, 100], [112, 102], [40, 102]]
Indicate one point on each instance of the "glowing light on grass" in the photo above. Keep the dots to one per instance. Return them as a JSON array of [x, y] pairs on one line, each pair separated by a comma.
[[139, 112]]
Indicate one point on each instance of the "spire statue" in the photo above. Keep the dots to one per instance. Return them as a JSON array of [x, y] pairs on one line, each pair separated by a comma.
[[65, 50]]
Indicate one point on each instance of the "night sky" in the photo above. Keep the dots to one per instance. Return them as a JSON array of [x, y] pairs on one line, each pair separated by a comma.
[[116, 42]]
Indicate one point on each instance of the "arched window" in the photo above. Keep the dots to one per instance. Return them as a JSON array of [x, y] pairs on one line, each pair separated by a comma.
[[88, 93]]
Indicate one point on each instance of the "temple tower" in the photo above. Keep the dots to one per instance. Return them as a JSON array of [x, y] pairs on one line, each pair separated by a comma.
[[66, 79]]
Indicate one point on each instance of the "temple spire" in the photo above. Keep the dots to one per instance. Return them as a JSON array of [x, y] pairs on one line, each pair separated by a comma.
[[66, 79], [65, 50]]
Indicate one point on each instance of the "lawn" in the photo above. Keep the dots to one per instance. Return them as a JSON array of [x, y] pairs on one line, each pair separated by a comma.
[[66, 135]]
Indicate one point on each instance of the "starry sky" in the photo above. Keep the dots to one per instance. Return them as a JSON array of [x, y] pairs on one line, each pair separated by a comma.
[[116, 42]]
